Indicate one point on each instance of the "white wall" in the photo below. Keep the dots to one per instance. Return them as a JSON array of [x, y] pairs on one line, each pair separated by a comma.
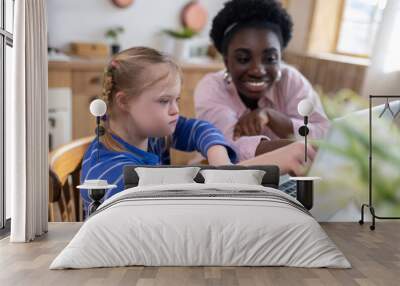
[[87, 20]]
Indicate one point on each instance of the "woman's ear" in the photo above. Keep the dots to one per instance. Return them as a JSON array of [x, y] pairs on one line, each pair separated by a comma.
[[121, 100]]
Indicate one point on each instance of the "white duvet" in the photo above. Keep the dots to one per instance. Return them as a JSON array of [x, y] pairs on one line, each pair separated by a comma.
[[266, 229]]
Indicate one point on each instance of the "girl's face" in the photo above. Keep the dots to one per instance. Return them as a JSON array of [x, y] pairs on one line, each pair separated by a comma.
[[253, 61], [155, 111]]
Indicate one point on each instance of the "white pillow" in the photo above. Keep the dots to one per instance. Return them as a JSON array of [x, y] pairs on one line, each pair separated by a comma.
[[248, 177], [162, 176]]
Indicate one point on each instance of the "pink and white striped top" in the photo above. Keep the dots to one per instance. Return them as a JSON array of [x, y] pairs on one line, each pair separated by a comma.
[[219, 103]]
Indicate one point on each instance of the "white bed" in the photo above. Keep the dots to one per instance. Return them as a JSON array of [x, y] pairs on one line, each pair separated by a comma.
[[201, 224]]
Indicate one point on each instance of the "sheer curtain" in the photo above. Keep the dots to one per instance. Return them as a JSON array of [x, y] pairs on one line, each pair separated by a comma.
[[383, 76], [26, 123]]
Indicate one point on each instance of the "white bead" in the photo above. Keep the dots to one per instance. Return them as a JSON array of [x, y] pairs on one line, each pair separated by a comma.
[[98, 107], [305, 107]]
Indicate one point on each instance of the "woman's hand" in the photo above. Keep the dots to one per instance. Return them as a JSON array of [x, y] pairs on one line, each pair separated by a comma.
[[251, 123], [279, 123], [218, 155], [266, 145], [290, 159]]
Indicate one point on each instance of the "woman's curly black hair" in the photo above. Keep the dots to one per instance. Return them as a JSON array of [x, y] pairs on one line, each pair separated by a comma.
[[245, 13]]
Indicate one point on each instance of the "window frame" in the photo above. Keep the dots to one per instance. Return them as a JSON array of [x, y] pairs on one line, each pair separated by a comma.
[[6, 39], [338, 31]]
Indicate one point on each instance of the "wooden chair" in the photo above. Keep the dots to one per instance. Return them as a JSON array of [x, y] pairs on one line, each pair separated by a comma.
[[65, 162], [65, 165]]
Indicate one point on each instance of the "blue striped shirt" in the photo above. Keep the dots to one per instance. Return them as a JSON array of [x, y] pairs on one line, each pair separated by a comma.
[[189, 135]]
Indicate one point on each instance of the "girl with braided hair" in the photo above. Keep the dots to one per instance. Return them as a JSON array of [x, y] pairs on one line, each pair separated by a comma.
[[141, 89]]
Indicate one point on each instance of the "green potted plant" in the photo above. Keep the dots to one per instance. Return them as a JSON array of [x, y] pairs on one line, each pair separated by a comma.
[[177, 42], [185, 33], [113, 35], [355, 174]]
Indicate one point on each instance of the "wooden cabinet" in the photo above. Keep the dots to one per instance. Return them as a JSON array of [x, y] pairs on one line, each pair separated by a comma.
[[86, 87], [85, 80], [83, 123]]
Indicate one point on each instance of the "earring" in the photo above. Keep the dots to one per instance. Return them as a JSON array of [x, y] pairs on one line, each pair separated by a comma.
[[278, 76], [227, 77]]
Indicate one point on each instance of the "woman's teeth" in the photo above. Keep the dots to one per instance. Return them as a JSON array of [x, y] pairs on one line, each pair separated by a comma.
[[261, 83], [256, 85]]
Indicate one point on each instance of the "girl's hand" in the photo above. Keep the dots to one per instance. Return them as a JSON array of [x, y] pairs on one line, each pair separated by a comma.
[[218, 155], [251, 123], [290, 159]]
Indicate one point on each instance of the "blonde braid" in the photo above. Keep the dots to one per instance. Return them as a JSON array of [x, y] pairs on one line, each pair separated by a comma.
[[107, 85], [108, 88]]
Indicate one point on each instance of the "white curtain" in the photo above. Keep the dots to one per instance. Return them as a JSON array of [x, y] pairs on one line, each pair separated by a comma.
[[26, 123], [383, 76]]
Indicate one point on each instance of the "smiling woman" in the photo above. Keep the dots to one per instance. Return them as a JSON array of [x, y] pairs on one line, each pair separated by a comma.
[[255, 99]]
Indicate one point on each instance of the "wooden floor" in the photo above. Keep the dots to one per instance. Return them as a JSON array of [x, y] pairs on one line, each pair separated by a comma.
[[374, 255]]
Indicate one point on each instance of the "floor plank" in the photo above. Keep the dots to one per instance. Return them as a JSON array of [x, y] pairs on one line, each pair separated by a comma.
[[374, 255]]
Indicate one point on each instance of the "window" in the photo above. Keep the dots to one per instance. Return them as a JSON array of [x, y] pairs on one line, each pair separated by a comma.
[[6, 44], [358, 27], [391, 62]]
